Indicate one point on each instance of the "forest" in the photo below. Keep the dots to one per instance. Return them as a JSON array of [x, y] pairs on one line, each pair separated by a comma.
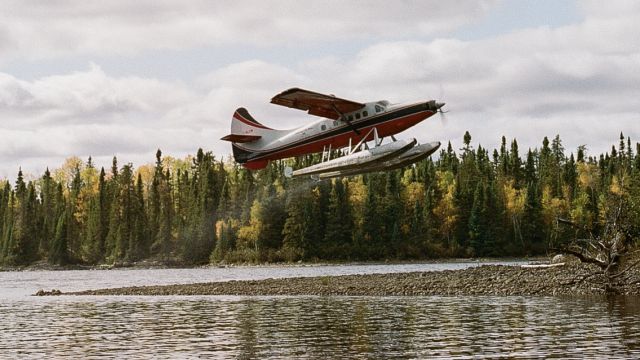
[[468, 202]]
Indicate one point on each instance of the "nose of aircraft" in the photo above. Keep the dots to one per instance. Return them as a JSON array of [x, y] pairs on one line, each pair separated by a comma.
[[434, 105]]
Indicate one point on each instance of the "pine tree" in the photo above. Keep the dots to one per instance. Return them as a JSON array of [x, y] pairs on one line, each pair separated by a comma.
[[296, 232], [198, 235], [59, 253], [532, 222], [7, 239], [49, 221], [5, 193], [138, 239], [20, 242], [477, 222], [154, 204], [337, 237], [162, 245], [392, 215], [515, 163], [225, 243], [123, 216]]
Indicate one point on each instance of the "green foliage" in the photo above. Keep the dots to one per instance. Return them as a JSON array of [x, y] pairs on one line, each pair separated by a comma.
[[197, 210]]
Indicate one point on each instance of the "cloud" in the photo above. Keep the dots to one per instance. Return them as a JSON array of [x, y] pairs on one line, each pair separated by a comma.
[[579, 80], [87, 97], [57, 28]]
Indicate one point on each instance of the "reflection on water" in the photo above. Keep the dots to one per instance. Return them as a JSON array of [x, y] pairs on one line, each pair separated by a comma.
[[320, 327]]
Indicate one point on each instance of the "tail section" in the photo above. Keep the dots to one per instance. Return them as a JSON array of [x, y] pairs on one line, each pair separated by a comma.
[[246, 130]]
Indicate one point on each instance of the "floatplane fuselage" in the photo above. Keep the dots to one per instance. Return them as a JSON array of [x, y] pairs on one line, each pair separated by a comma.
[[344, 124]]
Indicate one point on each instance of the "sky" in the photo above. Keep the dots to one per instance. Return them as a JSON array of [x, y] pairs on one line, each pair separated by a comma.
[[124, 78]]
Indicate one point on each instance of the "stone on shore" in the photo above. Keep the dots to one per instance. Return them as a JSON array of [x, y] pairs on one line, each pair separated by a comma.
[[481, 280]]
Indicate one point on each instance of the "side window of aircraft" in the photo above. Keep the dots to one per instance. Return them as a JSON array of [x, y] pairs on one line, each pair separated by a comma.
[[365, 113], [357, 116], [350, 117], [378, 108], [323, 127]]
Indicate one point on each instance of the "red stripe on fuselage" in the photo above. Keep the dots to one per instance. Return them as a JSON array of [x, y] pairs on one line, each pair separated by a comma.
[[387, 128]]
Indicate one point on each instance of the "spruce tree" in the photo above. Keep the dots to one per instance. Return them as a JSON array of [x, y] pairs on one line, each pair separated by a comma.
[[7, 241], [338, 233], [59, 253], [162, 245], [296, 234], [154, 203], [49, 220], [477, 222]]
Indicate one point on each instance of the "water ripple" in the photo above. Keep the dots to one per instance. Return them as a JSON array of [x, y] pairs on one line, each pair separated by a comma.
[[309, 327], [320, 327]]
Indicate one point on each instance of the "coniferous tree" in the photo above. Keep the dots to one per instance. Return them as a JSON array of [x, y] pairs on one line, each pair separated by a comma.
[[533, 225], [296, 233], [49, 220], [477, 222], [138, 239], [7, 240], [199, 209], [59, 253], [392, 215], [162, 245], [59, 249], [20, 240], [122, 236], [339, 223], [96, 226], [154, 203]]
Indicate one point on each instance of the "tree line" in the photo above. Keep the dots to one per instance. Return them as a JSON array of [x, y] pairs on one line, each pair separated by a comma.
[[466, 203]]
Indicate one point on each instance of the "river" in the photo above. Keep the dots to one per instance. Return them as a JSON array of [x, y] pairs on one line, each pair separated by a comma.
[[300, 326]]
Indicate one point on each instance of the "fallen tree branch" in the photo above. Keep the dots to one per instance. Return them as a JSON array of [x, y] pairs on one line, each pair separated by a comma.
[[581, 257], [625, 270]]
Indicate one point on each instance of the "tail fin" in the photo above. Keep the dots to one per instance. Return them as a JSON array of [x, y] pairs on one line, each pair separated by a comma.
[[244, 129]]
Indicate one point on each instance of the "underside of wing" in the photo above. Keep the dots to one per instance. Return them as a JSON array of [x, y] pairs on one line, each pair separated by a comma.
[[315, 103]]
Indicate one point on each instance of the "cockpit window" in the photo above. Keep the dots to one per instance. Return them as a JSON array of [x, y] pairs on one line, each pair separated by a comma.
[[379, 108]]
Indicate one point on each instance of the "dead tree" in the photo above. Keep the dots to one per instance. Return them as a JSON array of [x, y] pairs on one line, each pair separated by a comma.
[[611, 249]]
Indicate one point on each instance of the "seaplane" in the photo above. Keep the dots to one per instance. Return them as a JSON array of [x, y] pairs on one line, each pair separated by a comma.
[[345, 125]]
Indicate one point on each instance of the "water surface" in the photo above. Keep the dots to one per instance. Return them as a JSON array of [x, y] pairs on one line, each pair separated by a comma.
[[300, 326]]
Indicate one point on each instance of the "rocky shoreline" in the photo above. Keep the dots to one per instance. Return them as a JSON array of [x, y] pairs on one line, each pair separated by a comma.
[[482, 280]]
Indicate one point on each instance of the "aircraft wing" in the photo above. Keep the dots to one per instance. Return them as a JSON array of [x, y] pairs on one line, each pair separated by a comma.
[[315, 103]]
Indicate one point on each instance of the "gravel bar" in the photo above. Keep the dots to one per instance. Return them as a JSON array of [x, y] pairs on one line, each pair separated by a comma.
[[481, 280]]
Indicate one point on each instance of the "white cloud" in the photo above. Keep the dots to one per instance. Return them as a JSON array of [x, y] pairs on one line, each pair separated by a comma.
[[56, 28]]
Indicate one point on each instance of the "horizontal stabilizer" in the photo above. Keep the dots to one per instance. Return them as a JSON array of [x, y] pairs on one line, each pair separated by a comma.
[[238, 138]]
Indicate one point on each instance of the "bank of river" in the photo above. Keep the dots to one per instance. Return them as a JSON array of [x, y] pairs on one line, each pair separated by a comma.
[[481, 280]]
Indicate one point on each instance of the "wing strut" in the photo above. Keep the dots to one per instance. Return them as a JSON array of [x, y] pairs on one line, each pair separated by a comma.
[[363, 141], [344, 118]]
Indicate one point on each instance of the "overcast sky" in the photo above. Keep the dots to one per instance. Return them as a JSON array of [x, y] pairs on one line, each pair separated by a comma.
[[124, 78]]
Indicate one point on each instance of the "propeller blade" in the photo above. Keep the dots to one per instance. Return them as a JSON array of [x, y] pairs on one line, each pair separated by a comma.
[[443, 118]]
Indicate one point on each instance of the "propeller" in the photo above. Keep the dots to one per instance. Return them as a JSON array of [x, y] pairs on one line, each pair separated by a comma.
[[443, 118]]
